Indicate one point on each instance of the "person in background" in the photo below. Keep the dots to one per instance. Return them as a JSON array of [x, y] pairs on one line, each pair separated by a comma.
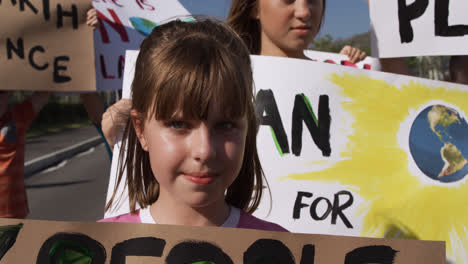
[[395, 65], [14, 122], [95, 108], [280, 27], [458, 69], [191, 154]]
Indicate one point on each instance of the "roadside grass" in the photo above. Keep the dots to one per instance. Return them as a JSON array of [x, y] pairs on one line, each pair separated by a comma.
[[40, 130], [56, 117]]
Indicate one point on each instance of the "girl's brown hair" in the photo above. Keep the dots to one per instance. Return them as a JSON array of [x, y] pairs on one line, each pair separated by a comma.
[[186, 66], [240, 19]]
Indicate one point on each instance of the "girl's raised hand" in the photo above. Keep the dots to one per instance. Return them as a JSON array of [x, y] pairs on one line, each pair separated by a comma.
[[355, 55], [91, 18]]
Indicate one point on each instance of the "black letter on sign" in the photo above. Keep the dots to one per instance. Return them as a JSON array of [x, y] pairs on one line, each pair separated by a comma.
[[61, 14], [313, 209], [298, 205], [265, 102], [69, 247], [308, 254], [46, 9], [318, 129], [371, 254], [33, 8], [268, 251], [408, 13], [120, 66], [197, 251], [19, 49], [441, 21], [141, 246], [31, 58], [60, 78], [338, 209]]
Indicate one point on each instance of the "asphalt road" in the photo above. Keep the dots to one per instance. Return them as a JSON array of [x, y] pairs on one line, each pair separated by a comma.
[[74, 190]]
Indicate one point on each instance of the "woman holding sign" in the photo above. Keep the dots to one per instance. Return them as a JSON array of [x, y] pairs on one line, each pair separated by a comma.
[[283, 28]]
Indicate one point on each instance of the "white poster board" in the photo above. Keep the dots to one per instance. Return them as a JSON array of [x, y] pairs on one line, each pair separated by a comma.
[[379, 155], [403, 28], [124, 24]]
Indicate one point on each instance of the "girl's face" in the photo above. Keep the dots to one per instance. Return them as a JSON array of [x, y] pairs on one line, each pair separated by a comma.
[[194, 161], [288, 26]]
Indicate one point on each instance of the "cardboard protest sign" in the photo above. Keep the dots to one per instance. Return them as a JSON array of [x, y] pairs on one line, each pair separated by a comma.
[[368, 63], [124, 24], [363, 153], [45, 45], [418, 28], [45, 242]]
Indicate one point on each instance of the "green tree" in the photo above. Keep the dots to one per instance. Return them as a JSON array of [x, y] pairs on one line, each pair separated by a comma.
[[326, 44]]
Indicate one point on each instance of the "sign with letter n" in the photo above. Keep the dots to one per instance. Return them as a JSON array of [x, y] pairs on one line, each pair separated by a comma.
[[45, 45]]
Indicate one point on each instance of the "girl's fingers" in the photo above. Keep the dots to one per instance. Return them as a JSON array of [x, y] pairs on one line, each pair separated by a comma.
[[91, 18], [362, 56], [352, 55]]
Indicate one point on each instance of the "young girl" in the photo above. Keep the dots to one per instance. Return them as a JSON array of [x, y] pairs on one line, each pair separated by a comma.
[[191, 156], [283, 28]]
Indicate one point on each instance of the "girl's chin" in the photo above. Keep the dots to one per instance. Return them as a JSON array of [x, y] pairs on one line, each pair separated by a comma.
[[201, 201]]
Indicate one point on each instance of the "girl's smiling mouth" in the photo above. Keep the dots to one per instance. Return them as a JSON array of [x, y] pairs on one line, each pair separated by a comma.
[[301, 29], [200, 178]]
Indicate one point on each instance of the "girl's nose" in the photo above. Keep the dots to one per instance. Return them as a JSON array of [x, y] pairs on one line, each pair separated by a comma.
[[302, 9], [203, 144]]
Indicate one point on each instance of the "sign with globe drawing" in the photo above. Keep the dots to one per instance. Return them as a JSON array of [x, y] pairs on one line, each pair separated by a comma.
[[363, 153], [355, 152]]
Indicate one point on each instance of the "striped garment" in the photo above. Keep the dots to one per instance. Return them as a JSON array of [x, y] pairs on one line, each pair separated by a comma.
[[13, 126]]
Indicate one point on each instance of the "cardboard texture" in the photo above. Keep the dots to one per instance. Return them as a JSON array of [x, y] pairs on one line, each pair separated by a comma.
[[356, 152], [50, 242], [45, 45]]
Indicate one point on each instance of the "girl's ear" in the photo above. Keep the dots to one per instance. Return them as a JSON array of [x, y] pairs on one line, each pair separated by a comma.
[[138, 125]]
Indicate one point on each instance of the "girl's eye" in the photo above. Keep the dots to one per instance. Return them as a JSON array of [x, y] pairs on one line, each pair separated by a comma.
[[177, 124], [226, 125]]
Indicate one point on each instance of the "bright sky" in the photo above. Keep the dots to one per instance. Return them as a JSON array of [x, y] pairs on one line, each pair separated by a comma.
[[344, 18]]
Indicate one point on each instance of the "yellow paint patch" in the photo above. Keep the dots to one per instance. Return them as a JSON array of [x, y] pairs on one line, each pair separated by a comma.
[[377, 165], [319, 162]]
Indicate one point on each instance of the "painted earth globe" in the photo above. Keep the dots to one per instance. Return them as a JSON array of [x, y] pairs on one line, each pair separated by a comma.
[[438, 142]]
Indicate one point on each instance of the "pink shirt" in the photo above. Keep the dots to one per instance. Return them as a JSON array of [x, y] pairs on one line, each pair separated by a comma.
[[237, 219]]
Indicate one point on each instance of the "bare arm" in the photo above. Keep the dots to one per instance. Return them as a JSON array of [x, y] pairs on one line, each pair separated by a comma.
[[115, 119]]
